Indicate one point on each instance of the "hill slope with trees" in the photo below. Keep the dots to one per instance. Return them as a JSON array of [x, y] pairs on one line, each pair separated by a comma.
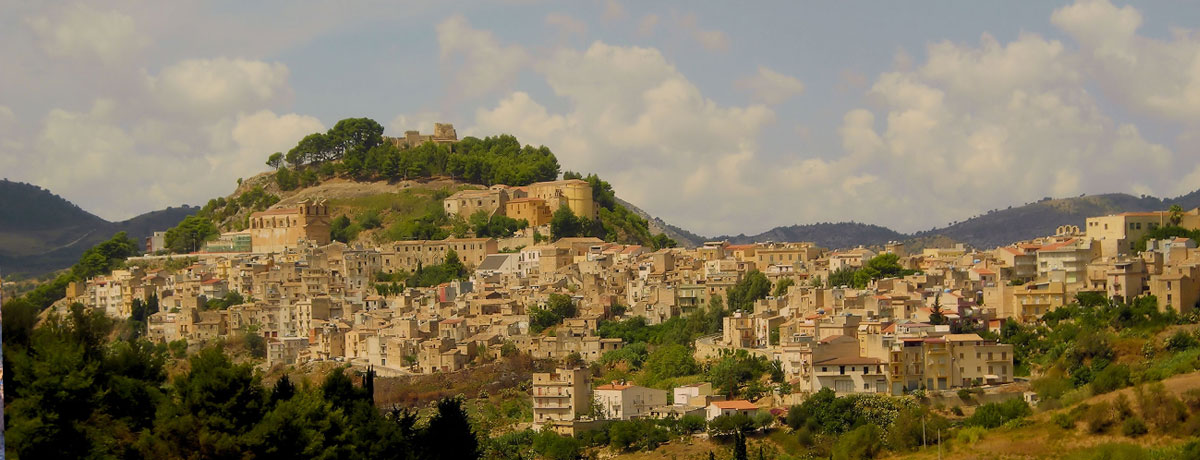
[[41, 232]]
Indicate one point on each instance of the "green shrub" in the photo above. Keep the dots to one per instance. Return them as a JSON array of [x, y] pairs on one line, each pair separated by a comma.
[[970, 434], [1113, 377], [1180, 341], [1099, 417], [1063, 420], [863, 442], [1134, 427], [996, 414]]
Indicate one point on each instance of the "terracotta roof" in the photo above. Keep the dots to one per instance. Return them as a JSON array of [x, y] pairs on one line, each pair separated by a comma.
[[614, 386], [737, 404], [1142, 214], [840, 360], [1057, 246], [275, 212]]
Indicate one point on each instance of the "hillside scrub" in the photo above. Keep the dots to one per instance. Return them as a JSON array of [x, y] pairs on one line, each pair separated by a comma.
[[1075, 346]]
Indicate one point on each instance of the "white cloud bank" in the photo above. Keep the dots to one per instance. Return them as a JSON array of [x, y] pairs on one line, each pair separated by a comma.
[[974, 126]]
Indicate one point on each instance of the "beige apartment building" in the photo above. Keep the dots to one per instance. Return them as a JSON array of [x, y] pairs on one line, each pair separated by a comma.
[[620, 401], [1033, 300], [1117, 233], [406, 255], [976, 360], [1178, 288], [560, 396], [1067, 260]]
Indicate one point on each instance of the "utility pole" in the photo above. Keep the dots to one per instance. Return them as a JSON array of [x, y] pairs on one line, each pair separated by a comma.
[[923, 443]]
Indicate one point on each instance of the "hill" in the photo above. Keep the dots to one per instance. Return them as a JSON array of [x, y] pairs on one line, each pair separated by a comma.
[[42, 232], [829, 235], [991, 229]]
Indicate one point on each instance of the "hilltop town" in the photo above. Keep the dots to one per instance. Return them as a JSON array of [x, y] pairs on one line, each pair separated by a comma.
[[851, 320]]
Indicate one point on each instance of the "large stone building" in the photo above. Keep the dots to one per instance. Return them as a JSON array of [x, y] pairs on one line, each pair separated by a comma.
[[275, 230], [466, 202], [575, 194], [406, 255], [535, 202], [443, 133]]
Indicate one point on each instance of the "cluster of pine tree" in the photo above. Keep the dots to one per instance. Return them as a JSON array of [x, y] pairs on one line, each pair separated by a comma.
[[356, 147]]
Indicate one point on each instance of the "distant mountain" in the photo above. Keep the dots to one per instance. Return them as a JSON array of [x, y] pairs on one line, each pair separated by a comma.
[[41, 232], [829, 235], [991, 229], [1001, 227]]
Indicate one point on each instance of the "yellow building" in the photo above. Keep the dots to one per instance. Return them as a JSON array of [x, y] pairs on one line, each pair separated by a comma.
[[1117, 233], [576, 194], [275, 230], [1177, 288], [533, 210], [1035, 299]]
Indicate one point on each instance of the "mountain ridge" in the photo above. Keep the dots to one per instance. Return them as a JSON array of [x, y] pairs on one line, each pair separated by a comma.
[[997, 227], [42, 232]]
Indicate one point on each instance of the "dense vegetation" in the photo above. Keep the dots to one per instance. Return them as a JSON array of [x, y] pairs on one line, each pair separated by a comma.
[[878, 267], [558, 307], [1167, 232], [1096, 345], [71, 394], [356, 147], [191, 233]]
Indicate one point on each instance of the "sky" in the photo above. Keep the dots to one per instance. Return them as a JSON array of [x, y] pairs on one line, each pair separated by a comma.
[[718, 117]]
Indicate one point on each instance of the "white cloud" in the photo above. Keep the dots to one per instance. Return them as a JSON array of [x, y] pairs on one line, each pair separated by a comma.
[[263, 132], [771, 87], [710, 39], [647, 24], [1156, 77], [637, 121], [483, 64], [78, 31], [567, 25], [613, 10], [215, 88]]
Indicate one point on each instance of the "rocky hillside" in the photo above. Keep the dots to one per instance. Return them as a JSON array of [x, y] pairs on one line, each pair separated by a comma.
[[41, 232]]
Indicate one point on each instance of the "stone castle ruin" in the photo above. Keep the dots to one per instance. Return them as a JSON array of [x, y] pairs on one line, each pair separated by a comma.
[[443, 133]]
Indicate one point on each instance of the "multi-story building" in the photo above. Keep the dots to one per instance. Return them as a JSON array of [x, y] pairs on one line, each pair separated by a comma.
[[533, 210], [276, 230], [620, 401], [1066, 260], [564, 395], [408, 255]]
